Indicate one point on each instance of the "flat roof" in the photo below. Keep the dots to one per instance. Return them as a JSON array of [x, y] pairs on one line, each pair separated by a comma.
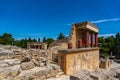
[[86, 23]]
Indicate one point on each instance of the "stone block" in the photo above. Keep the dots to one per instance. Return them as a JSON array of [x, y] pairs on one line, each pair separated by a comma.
[[27, 65], [105, 64]]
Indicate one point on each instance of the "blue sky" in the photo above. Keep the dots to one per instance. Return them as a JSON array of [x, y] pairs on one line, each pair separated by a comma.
[[38, 18]]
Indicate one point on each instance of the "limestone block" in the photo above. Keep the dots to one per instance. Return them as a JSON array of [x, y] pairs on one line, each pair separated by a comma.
[[42, 78], [4, 74], [59, 74], [104, 64], [36, 71], [54, 66], [9, 71], [37, 63], [26, 59], [12, 62], [4, 65], [14, 70], [42, 64], [27, 65]]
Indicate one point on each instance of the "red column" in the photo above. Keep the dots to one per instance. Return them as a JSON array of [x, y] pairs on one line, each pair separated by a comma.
[[69, 45], [96, 40], [92, 39], [86, 39], [79, 43]]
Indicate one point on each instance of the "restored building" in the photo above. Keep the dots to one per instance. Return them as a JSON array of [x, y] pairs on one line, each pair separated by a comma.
[[82, 51], [36, 45]]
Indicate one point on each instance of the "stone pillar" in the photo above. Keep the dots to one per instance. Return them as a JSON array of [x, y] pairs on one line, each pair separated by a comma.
[[92, 39], [69, 45], [79, 43], [86, 39], [96, 40]]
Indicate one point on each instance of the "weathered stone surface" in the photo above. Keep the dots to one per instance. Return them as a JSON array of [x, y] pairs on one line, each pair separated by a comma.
[[37, 63], [27, 65], [42, 64], [63, 77], [105, 63], [11, 61], [54, 66], [43, 59], [4, 65], [5, 79], [82, 75], [3, 74], [59, 74], [26, 59], [118, 73], [100, 74], [36, 71], [9, 71], [95, 77], [72, 61], [14, 71]]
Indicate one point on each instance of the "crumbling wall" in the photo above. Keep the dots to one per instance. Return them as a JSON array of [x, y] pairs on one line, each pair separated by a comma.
[[28, 64]]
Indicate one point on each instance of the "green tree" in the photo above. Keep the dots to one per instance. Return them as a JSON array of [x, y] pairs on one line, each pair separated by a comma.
[[38, 39], [61, 36], [6, 39], [110, 43], [34, 40], [49, 41], [7, 35], [117, 46], [17, 43], [21, 43], [29, 39], [103, 48], [44, 39]]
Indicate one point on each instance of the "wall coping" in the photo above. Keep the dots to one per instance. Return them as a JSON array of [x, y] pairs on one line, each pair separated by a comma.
[[77, 50]]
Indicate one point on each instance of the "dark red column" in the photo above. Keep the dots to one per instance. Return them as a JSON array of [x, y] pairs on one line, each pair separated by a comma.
[[69, 45], [79, 43], [92, 39], [86, 39], [96, 40]]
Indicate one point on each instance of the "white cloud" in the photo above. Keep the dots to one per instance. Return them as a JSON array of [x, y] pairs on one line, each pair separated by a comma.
[[106, 20], [105, 35]]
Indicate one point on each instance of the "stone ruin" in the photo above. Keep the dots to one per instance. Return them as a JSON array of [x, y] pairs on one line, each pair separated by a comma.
[[79, 51], [77, 56], [28, 64], [36, 45], [82, 51]]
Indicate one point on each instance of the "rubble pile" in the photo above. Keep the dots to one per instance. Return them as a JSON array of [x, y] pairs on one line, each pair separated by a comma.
[[14, 69], [113, 73], [27, 65]]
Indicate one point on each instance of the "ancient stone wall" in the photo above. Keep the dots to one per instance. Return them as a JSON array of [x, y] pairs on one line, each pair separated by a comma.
[[73, 62], [73, 36], [64, 45]]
